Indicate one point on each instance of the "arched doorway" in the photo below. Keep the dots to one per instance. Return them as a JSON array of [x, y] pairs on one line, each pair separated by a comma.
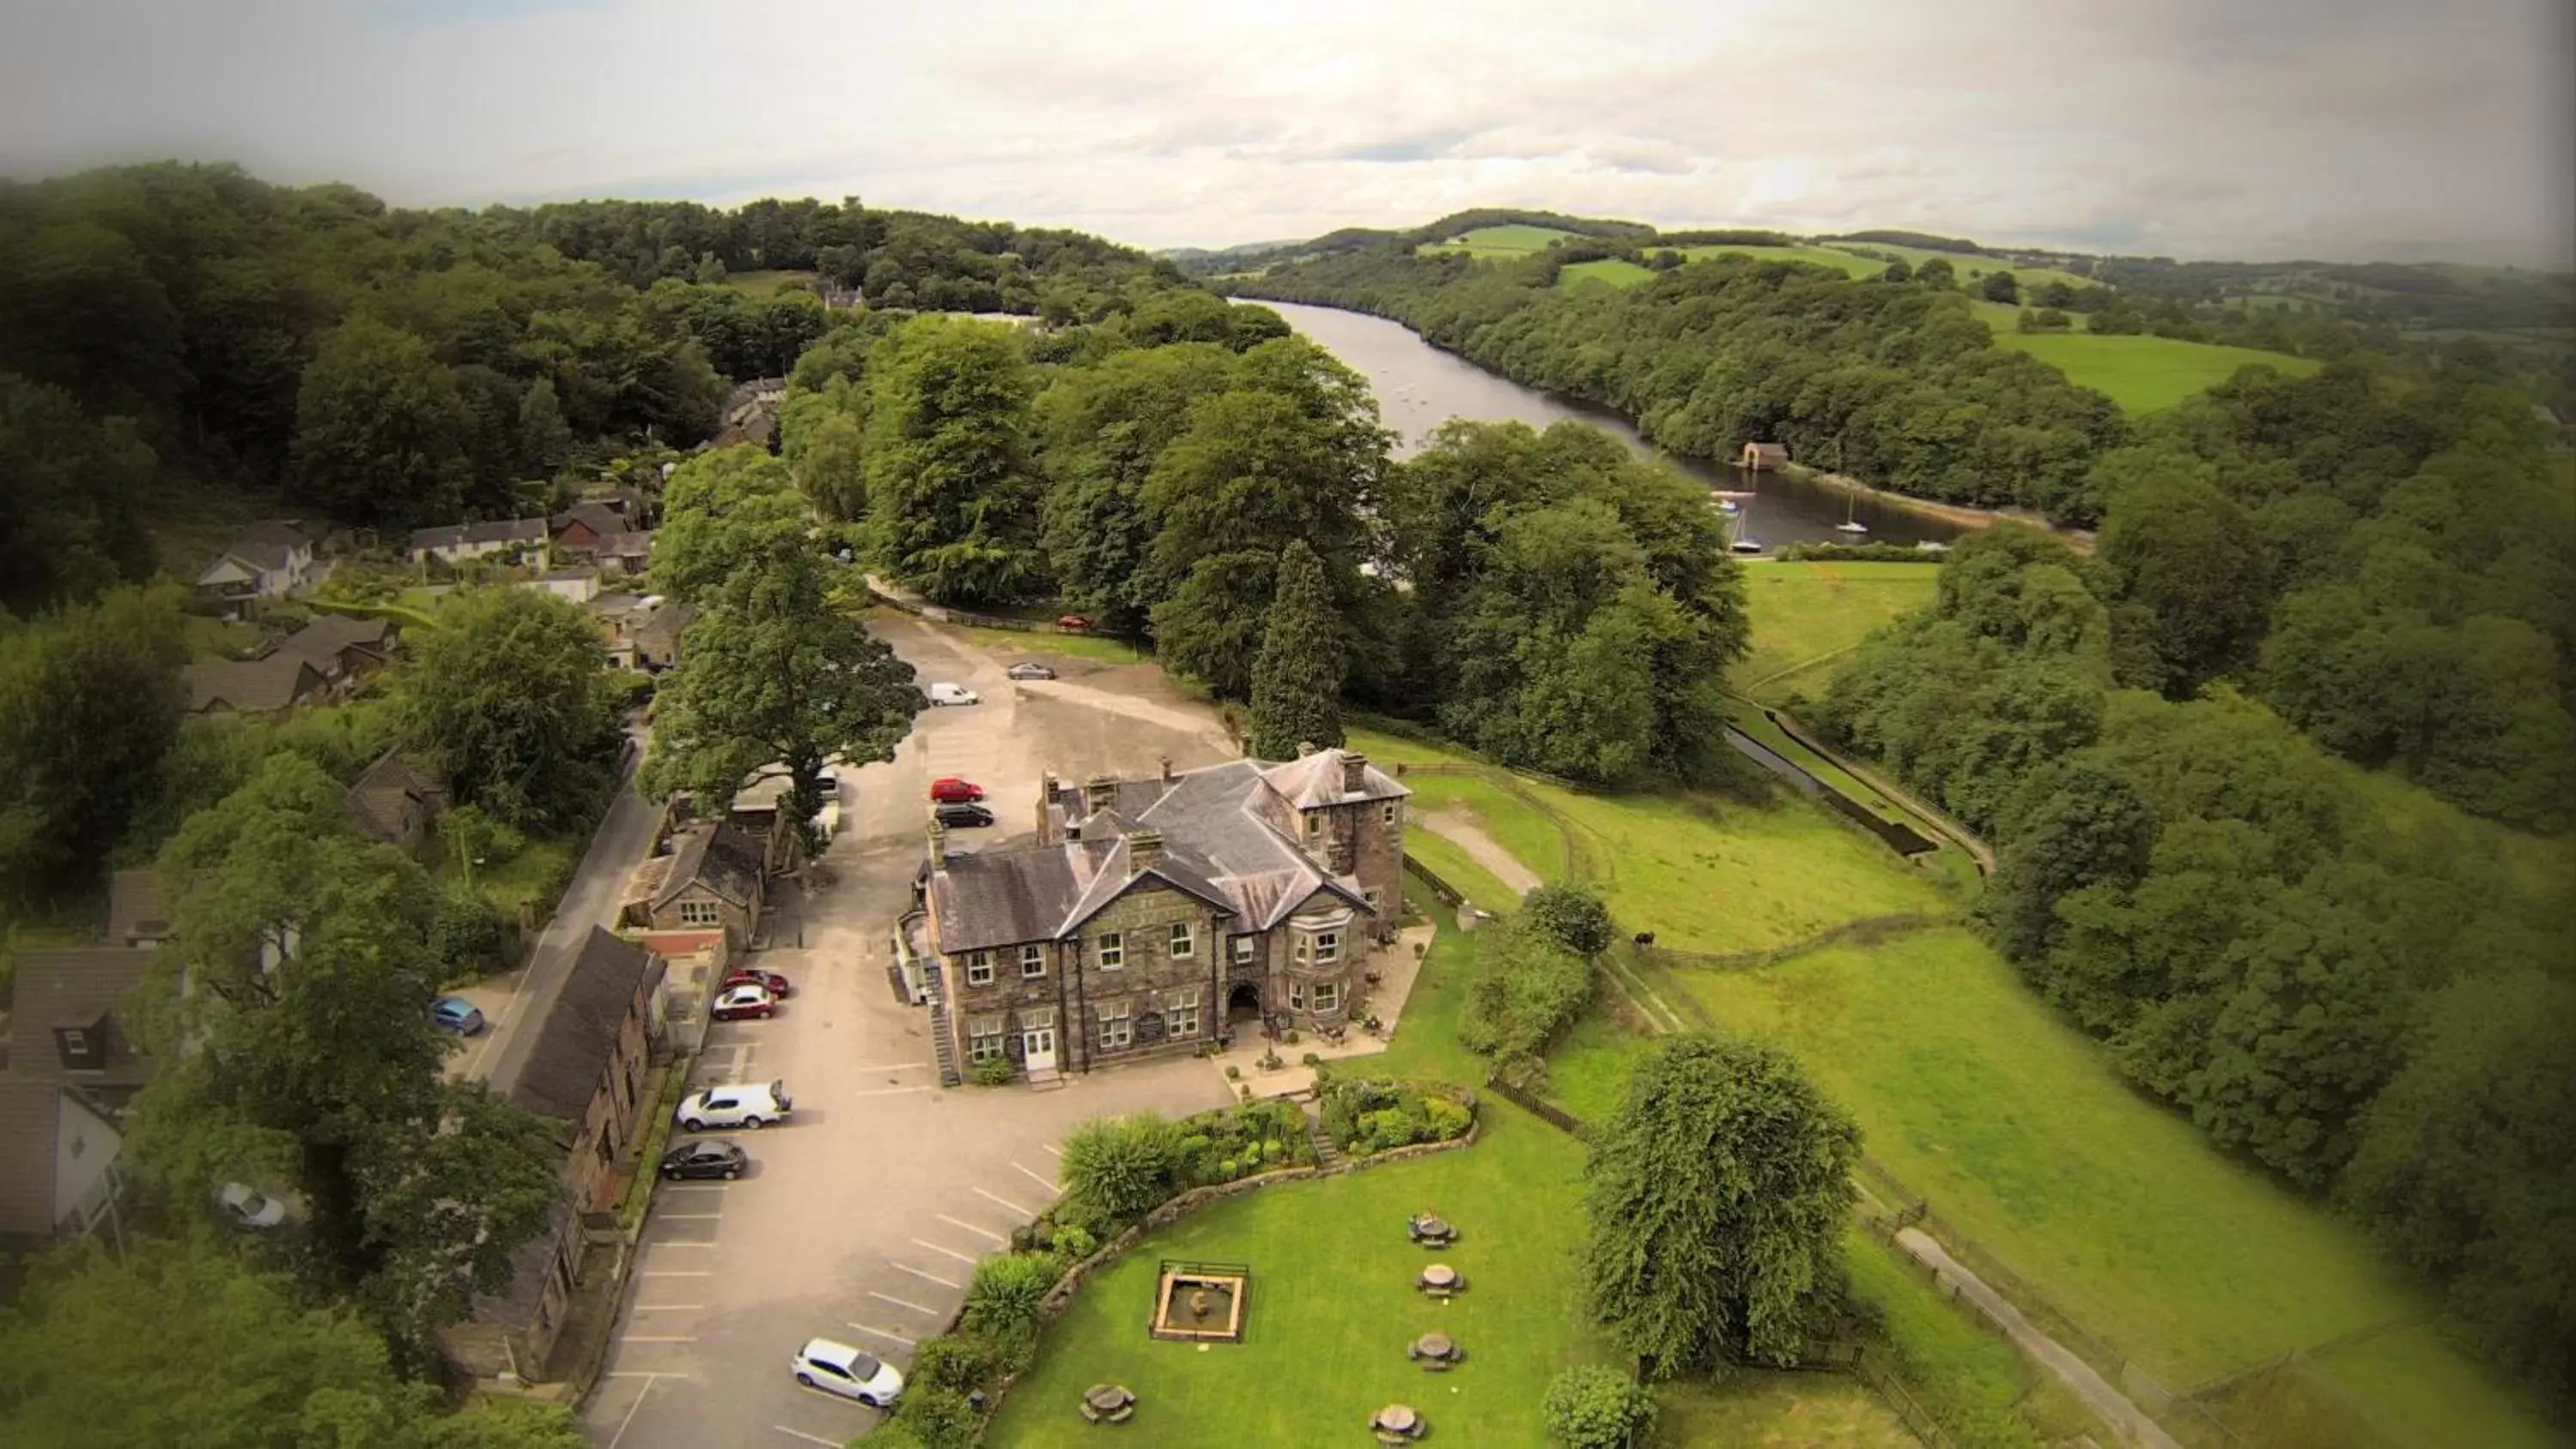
[[1243, 1004]]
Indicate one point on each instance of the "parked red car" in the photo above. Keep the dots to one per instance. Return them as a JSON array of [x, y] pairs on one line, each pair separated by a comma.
[[954, 791], [1072, 623], [769, 981]]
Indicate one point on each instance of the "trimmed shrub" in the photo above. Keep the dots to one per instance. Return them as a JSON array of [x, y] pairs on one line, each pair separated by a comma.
[[1123, 1165], [1004, 1294], [995, 1072], [939, 1418], [1591, 1407]]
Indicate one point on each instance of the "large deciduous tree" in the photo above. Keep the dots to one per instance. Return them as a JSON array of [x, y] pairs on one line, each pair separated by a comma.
[[71, 519], [381, 429], [90, 703], [509, 697], [772, 675], [1297, 676], [2189, 588], [1717, 1196], [290, 1017], [952, 494]]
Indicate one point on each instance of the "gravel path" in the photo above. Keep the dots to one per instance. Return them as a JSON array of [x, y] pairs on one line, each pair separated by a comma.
[[1459, 828]]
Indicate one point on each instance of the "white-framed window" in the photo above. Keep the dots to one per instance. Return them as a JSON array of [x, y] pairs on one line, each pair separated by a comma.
[[75, 1042], [1113, 950], [984, 1043], [1181, 1018], [1328, 995], [1116, 1031], [1328, 947], [701, 913], [1243, 948], [1185, 942], [979, 968], [1296, 996], [1386, 813], [1032, 962], [1303, 948]]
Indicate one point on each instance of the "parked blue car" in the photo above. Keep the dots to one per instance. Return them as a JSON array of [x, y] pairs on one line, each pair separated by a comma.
[[457, 1015]]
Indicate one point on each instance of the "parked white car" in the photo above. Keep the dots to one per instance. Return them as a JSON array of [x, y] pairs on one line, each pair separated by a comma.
[[853, 1373], [945, 693], [247, 1207], [752, 1105]]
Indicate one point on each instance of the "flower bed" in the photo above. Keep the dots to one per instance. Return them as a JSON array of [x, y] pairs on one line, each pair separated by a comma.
[[1368, 1115]]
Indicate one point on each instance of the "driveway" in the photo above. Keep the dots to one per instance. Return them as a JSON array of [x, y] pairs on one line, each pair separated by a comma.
[[863, 1218]]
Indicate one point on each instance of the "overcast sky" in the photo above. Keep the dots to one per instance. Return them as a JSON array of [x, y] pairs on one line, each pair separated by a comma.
[[2349, 129]]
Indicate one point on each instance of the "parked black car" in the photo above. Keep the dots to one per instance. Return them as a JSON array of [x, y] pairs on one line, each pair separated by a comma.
[[707, 1157], [964, 815]]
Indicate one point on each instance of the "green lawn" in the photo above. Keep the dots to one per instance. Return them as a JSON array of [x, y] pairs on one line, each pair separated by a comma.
[[1861, 268], [1453, 864], [1013, 645], [1759, 1410], [1807, 617], [1974, 1093], [762, 286], [2145, 374]]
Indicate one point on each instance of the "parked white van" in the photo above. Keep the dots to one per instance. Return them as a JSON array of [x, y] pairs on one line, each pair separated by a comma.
[[953, 694]]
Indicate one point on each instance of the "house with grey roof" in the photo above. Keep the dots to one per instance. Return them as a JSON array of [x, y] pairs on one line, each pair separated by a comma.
[[458, 542], [710, 879], [1151, 912], [396, 798], [68, 1016], [265, 561], [270, 685], [138, 908], [344, 649]]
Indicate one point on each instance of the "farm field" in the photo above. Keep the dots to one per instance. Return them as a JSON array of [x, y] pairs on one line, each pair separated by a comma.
[[1514, 240], [761, 286], [1858, 267], [1617, 271], [1807, 618], [2142, 374], [1971, 268]]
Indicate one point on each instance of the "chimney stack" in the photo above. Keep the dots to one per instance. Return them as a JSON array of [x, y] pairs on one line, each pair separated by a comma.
[[1305, 748], [1167, 769], [1144, 849], [1354, 772], [1100, 791]]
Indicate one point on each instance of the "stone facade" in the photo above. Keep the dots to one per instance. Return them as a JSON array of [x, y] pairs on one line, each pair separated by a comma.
[[1154, 914]]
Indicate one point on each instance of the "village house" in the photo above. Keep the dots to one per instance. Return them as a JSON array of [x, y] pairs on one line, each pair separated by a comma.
[[269, 686], [343, 649], [67, 1023], [395, 800], [457, 542], [587, 1072], [58, 1176], [710, 879], [574, 586], [266, 561], [579, 530], [1152, 912], [629, 555]]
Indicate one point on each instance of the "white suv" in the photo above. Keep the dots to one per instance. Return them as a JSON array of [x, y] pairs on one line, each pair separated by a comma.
[[753, 1105]]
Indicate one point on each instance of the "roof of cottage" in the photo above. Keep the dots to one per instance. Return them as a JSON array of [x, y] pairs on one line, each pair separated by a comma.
[[598, 517], [76, 987], [138, 906], [322, 641], [508, 530], [31, 1114], [722, 856], [579, 1039], [274, 681], [376, 799]]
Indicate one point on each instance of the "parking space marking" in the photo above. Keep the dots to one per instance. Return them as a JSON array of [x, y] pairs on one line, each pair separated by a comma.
[[673, 1273], [1045, 1182], [1051, 1147], [641, 1395], [891, 1091], [670, 1308], [951, 1252], [917, 1273], [1006, 1202], [808, 1438], [642, 1338], [885, 1333], [687, 1217], [998, 1239], [903, 1303], [897, 1067], [675, 1243]]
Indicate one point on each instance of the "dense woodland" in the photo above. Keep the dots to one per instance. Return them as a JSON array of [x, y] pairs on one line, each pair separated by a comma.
[[1569, 609]]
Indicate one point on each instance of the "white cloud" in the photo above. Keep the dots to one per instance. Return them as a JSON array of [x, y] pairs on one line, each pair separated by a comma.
[[2343, 128]]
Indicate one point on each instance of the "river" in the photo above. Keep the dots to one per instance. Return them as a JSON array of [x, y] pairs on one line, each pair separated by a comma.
[[1419, 387]]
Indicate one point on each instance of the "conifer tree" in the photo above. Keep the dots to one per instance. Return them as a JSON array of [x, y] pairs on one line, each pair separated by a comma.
[[1297, 676]]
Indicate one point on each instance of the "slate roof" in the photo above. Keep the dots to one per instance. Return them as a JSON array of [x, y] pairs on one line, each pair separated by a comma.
[[579, 1040], [322, 641], [722, 855], [376, 799], [76, 987], [600, 518], [1226, 840], [266, 547], [31, 1113], [138, 907], [512, 530], [633, 543], [274, 681]]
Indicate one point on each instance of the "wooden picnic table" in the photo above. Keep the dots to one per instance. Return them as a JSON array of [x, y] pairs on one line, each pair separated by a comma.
[[1398, 1419], [1439, 1275], [1434, 1345]]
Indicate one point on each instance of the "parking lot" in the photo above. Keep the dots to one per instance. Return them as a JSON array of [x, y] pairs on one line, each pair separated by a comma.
[[863, 1217]]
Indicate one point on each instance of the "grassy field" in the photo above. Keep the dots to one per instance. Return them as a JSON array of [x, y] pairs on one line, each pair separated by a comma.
[[1506, 242], [1616, 271], [1971, 269], [1453, 864], [2144, 374], [1808, 616], [1974, 1094], [1012, 645], [1861, 268], [765, 285]]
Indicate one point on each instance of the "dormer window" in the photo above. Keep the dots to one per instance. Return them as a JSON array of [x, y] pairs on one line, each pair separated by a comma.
[[1314, 824], [82, 1048]]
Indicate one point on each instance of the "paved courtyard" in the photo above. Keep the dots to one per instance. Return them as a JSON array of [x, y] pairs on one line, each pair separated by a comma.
[[863, 1217]]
